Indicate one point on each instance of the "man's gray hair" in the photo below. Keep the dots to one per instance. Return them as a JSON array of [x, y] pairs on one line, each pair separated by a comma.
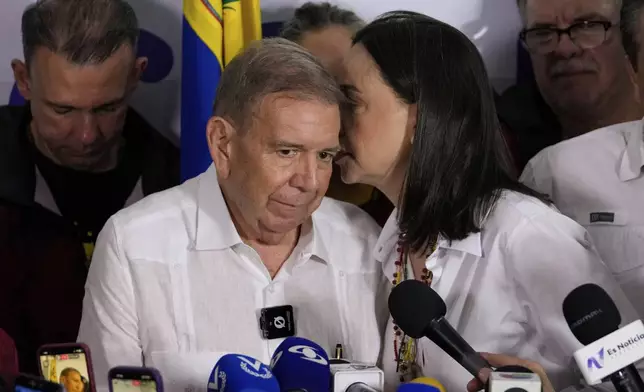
[[312, 17], [83, 31], [522, 9], [271, 66], [631, 19]]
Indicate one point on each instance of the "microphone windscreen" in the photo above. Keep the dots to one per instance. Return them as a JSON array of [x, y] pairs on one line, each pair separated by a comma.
[[241, 373], [432, 382], [300, 364], [590, 313], [413, 305]]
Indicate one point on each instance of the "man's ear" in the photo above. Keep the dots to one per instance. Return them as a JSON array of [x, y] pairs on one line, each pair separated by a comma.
[[140, 64], [21, 75], [220, 134]]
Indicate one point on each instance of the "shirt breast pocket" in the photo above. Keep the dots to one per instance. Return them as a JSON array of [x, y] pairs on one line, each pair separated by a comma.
[[619, 241], [184, 372]]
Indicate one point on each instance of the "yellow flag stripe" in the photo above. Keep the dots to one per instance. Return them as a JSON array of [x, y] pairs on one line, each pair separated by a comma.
[[242, 25], [252, 19], [204, 18]]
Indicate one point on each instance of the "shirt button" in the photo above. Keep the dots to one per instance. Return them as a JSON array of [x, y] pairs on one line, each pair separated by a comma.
[[342, 274]]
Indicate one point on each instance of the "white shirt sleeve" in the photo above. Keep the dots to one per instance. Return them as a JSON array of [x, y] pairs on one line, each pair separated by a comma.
[[550, 256], [536, 174], [109, 324]]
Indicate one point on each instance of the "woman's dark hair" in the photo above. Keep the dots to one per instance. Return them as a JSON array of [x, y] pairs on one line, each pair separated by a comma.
[[459, 162]]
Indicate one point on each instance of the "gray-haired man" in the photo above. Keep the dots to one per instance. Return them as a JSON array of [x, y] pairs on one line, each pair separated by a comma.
[[180, 278]]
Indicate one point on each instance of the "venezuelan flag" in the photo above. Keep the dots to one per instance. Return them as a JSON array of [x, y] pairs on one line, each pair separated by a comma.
[[214, 31]]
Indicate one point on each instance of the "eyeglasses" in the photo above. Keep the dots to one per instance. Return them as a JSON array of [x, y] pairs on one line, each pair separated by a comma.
[[586, 35]]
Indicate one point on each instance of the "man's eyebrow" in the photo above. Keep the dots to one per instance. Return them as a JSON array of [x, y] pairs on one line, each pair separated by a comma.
[[297, 146], [333, 150], [60, 104], [591, 16], [63, 105], [285, 144], [541, 25], [113, 102]]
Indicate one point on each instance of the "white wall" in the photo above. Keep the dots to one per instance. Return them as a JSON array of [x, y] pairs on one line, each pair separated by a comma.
[[492, 24]]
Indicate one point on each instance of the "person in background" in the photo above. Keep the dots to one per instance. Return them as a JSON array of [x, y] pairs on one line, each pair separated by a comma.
[[326, 31], [179, 278], [76, 147], [42, 279], [632, 26], [597, 180], [72, 380], [584, 80], [425, 132]]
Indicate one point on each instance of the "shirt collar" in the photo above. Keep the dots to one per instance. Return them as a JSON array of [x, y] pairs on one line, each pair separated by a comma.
[[471, 244], [316, 239], [215, 229], [632, 158]]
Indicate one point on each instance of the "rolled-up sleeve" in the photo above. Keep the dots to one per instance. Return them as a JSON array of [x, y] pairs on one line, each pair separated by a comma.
[[550, 257], [109, 325]]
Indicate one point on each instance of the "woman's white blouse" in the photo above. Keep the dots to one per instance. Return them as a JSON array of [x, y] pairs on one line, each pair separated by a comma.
[[504, 288]]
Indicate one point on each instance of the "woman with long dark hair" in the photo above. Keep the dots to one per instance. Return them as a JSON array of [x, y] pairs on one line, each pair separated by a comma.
[[424, 131]]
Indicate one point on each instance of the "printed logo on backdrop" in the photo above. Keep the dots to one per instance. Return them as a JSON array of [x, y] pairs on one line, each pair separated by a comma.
[[160, 58]]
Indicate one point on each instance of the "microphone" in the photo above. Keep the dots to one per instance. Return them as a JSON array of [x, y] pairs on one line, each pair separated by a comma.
[[241, 373], [610, 351], [357, 377], [513, 378], [431, 382], [300, 364], [417, 387], [420, 312]]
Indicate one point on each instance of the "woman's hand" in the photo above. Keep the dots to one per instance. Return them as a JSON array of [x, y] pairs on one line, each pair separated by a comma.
[[498, 360]]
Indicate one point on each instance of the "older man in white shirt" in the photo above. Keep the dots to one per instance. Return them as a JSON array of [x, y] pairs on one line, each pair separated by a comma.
[[181, 278], [597, 180]]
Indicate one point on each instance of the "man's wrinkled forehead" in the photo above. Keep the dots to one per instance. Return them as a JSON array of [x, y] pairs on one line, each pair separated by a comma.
[[562, 13]]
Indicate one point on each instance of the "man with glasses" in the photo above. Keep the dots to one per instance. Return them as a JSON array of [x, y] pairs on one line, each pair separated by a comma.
[[596, 178], [583, 78]]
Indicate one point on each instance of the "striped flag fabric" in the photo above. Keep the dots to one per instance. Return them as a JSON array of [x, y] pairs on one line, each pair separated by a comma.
[[214, 31]]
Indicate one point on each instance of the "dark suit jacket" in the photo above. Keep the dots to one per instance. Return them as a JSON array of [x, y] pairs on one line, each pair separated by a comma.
[[42, 260], [42, 279], [17, 168]]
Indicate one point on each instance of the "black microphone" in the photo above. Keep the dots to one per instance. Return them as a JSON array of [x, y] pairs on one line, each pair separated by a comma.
[[611, 351], [420, 312]]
